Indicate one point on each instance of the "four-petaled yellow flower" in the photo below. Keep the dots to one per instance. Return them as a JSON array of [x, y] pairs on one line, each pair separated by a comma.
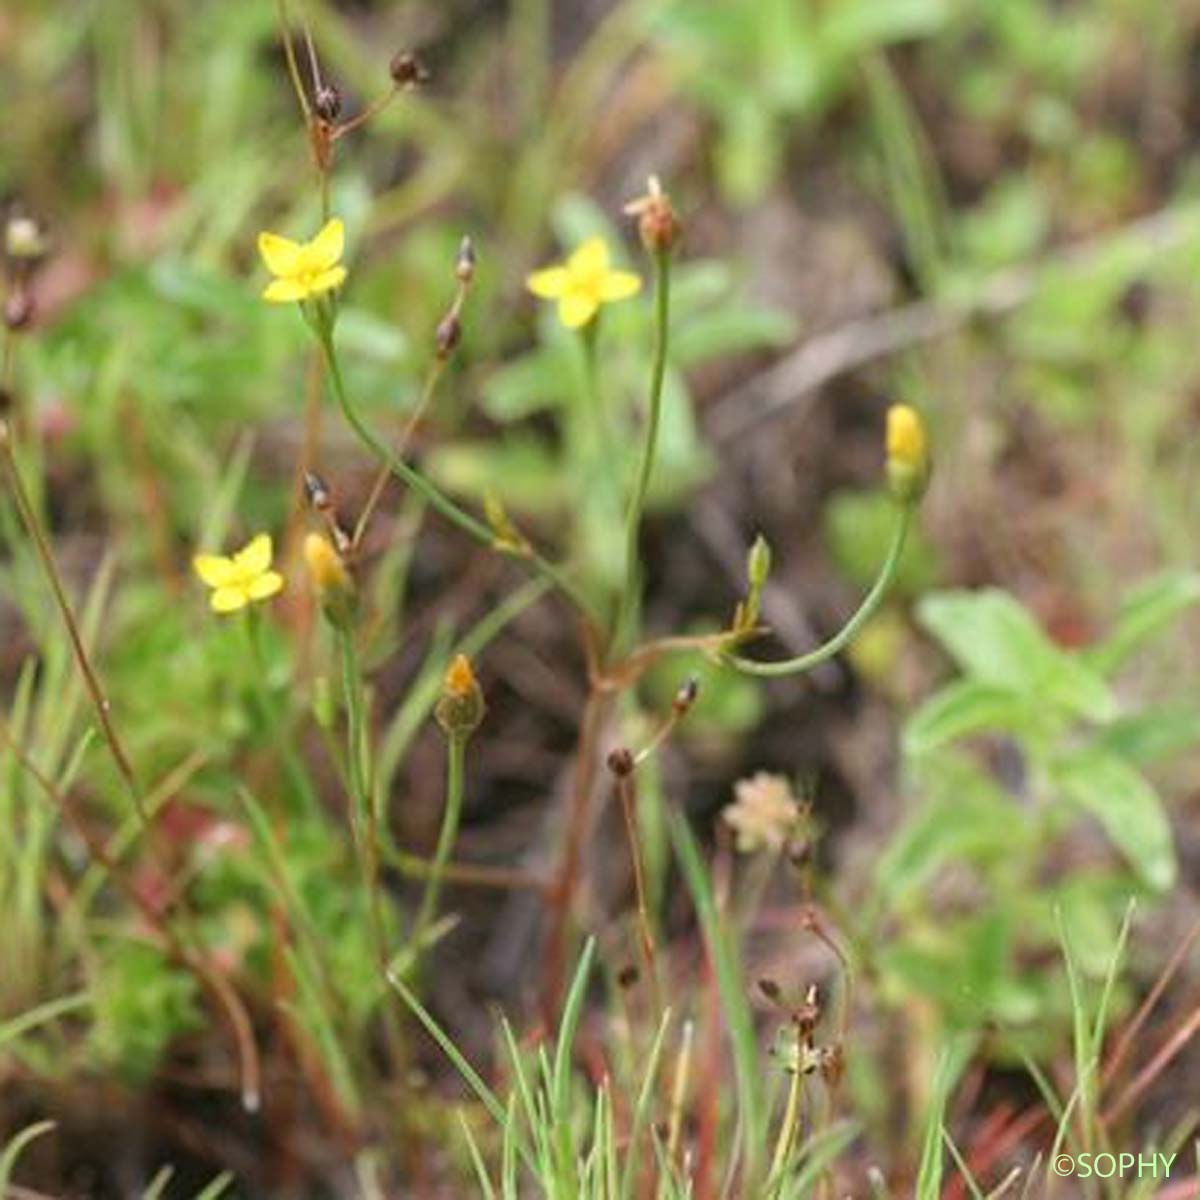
[[240, 578], [583, 283], [303, 269]]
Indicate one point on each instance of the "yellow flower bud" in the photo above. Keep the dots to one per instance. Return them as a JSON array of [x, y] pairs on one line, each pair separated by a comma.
[[461, 707], [907, 453], [331, 581]]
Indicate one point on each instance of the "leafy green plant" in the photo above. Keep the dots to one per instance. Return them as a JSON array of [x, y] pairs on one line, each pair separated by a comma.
[[1024, 750]]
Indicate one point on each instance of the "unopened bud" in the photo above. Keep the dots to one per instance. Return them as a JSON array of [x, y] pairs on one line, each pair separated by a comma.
[[758, 562], [328, 102], [407, 70], [464, 262], [330, 579], [449, 334], [658, 226], [908, 466], [461, 707]]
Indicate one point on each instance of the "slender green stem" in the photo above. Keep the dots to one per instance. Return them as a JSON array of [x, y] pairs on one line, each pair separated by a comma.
[[365, 820], [269, 711], [630, 595], [787, 1127], [806, 662], [423, 487], [455, 756], [95, 689]]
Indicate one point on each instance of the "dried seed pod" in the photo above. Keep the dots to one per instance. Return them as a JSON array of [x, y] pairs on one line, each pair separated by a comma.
[[317, 491], [620, 762], [771, 990], [407, 70], [685, 697], [464, 262], [328, 102]]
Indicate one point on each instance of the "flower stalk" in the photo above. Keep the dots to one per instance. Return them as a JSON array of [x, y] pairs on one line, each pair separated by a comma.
[[628, 605]]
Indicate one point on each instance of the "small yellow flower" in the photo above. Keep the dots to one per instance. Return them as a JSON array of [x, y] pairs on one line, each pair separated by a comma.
[[907, 453], [303, 269], [240, 578], [583, 283]]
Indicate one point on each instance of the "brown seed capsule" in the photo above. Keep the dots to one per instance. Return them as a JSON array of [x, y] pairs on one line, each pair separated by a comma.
[[658, 226], [449, 334], [464, 263], [18, 309], [771, 990], [627, 976], [407, 70], [328, 102], [685, 697], [620, 762], [317, 492]]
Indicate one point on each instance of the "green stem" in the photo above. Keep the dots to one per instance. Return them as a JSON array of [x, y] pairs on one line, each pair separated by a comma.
[[422, 486], [633, 519], [806, 662], [455, 756], [365, 819], [269, 712], [788, 1125]]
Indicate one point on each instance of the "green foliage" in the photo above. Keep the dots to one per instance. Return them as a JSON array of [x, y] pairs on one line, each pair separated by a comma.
[[1064, 752]]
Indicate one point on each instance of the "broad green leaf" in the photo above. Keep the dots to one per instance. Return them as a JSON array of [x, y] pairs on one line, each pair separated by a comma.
[[732, 329], [976, 826], [1147, 610], [965, 707], [521, 470], [528, 385], [1127, 806], [995, 639], [1153, 734]]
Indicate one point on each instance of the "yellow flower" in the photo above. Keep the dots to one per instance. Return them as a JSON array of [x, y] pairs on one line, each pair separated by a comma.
[[583, 283], [240, 578], [907, 453], [303, 269]]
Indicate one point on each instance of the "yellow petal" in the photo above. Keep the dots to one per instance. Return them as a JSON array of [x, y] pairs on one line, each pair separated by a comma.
[[549, 283], [283, 291], [331, 278], [576, 309], [267, 584], [281, 254], [619, 285], [590, 259], [214, 569], [228, 599], [255, 557], [326, 249]]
